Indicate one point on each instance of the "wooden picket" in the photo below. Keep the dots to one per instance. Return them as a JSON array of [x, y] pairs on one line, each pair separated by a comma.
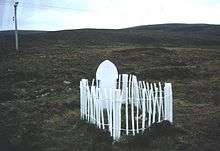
[[144, 103]]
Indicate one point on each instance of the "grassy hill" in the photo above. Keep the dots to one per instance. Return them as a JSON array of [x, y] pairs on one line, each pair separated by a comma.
[[171, 35], [38, 111]]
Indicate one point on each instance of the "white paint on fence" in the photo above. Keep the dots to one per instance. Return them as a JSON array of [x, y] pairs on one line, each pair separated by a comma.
[[122, 104]]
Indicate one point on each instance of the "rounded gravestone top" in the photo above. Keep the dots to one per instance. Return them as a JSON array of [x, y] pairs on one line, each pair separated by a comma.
[[107, 74]]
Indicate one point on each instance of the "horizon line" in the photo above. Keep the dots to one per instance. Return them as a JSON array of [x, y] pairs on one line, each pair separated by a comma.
[[111, 28]]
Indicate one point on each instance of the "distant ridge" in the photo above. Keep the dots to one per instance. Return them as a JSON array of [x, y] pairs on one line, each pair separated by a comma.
[[141, 27], [174, 26], [24, 31], [160, 35]]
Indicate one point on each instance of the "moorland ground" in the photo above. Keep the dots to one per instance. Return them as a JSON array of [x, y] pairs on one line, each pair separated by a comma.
[[39, 111]]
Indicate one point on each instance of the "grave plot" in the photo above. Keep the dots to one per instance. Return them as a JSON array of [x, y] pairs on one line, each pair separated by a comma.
[[122, 104]]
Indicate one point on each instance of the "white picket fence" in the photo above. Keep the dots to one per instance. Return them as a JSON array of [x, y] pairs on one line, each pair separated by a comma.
[[129, 108]]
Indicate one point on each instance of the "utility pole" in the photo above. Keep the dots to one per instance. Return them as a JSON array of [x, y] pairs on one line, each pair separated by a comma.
[[16, 28]]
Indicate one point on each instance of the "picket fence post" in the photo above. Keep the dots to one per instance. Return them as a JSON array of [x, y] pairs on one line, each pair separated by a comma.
[[108, 103]]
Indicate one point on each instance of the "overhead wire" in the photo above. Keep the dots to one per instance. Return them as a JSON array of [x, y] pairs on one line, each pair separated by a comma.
[[4, 3], [43, 6], [38, 6]]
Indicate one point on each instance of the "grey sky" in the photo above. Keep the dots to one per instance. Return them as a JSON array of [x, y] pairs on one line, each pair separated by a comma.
[[72, 14]]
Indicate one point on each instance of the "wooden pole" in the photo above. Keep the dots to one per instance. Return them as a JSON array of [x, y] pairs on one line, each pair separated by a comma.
[[16, 27]]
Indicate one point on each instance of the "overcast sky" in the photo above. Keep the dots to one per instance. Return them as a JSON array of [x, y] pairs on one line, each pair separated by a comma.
[[74, 14]]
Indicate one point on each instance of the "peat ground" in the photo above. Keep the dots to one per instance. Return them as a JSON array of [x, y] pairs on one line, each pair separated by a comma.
[[40, 112]]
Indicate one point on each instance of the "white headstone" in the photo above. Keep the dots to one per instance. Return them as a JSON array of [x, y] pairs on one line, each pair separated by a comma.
[[107, 74]]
